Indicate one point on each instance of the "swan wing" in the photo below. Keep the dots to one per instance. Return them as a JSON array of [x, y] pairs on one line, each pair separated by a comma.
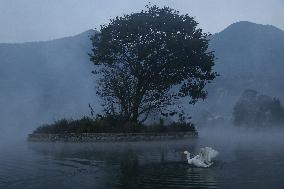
[[211, 152], [208, 153]]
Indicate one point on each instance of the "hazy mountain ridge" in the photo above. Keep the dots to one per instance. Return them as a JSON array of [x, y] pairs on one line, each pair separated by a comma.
[[248, 56], [43, 81], [248, 42]]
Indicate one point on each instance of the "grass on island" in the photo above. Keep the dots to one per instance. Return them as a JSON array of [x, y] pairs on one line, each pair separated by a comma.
[[110, 125]]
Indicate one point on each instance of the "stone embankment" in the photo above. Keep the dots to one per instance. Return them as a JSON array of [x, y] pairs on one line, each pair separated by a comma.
[[110, 137]]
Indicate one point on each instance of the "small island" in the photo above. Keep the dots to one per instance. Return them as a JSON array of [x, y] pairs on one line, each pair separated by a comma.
[[105, 129], [149, 63]]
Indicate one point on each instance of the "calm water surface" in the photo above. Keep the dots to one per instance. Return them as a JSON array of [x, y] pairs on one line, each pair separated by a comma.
[[247, 160]]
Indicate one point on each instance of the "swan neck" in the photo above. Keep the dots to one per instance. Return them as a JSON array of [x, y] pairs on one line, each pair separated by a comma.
[[189, 161], [188, 156]]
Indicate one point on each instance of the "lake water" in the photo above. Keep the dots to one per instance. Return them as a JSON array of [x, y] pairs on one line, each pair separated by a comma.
[[251, 159]]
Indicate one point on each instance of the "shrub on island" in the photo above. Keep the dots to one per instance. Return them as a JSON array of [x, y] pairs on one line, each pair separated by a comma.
[[110, 124]]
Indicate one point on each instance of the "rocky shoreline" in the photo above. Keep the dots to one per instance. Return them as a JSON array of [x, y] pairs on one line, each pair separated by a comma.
[[110, 137]]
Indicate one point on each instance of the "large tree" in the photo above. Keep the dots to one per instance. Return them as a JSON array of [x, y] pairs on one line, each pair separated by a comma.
[[150, 59]]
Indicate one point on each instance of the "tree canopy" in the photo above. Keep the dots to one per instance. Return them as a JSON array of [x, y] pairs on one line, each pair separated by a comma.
[[148, 60]]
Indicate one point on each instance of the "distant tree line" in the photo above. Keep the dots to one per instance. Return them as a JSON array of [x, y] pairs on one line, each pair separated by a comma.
[[254, 109]]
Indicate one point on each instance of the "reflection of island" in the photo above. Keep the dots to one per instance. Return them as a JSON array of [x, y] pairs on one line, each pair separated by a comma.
[[132, 165], [112, 152]]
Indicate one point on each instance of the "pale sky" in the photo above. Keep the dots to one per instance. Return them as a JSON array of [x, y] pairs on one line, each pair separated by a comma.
[[37, 20]]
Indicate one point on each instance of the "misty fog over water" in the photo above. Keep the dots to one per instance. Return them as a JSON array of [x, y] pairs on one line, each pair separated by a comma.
[[248, 159]]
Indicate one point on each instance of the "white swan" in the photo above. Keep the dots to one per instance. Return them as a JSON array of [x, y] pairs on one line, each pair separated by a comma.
[[203, 159], [196, 161]]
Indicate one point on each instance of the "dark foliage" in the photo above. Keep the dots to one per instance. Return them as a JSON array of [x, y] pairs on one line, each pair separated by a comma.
[[148, 60], [254, 109], [109, 124]]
